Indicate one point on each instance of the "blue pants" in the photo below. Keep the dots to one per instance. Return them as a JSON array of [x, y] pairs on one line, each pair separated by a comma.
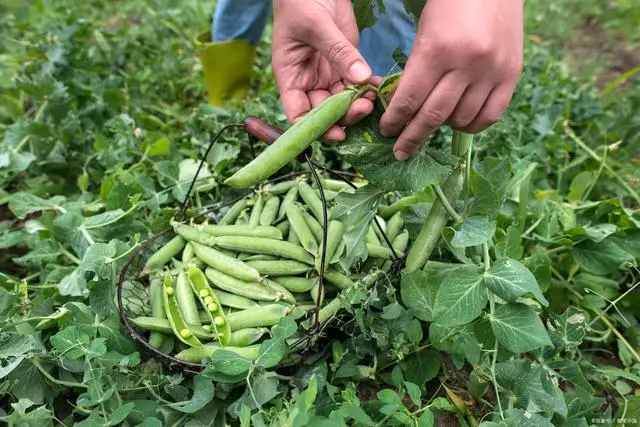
[[246, 19]]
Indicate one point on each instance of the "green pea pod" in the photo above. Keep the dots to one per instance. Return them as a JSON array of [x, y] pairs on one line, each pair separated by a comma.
[[266, 315], [399, 205], [192, 234], [242, 230], [247, 336], [312, 201], [293, 237], [338, 253], [168, 343], [157, 309], [164, 255], [163, 326], [338, 279], [232, 214], [186, 300], [261, 245], [188, 254], [174, 316], [235, 301], [256, 211], [431, 230], [296, 139], [328, 289], [316, 228], [259, 257], [383, 225], [394, 226], [301, 229], [198, 354], [329, 195], [278, 267], [377, 251], [226, 264], [334, 238], [270, 211], [337, 185], [296, 283], [291, 196], [211, 303], [264, 291], [283, 226], [371, 236], [280, 187], [399, 244]]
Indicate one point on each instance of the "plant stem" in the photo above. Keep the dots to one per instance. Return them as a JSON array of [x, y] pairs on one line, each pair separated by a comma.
[[593, 154], [69, 255], [487, 259], [617, 333], [443, 199], [36, 362], [467, 180]]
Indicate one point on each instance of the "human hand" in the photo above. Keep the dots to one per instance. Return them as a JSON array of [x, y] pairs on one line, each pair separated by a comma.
[[462, 71], [315, 55]]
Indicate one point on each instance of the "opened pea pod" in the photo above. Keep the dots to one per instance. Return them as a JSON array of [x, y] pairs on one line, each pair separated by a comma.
[[210, 302]]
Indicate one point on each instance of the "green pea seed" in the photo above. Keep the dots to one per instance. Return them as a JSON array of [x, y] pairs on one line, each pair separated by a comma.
[[185, 333], [219, 320], [170, 291], [208, 299], [204, 293], [212, 307]]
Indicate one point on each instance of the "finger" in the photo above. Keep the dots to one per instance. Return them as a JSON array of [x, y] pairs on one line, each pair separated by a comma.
[[469, 106], [295, 103], [435, 111], [360, 109], [493, 108], [412, 90], [341, 53], [335, 133]]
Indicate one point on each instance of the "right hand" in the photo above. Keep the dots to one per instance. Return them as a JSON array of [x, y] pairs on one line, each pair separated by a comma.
[[315, 55]]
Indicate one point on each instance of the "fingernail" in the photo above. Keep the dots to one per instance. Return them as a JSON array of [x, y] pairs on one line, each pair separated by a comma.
[[359, 72], [401, 155]]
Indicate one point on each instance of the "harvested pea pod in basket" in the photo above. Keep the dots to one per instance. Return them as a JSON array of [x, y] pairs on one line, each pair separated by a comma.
[[222, 278]]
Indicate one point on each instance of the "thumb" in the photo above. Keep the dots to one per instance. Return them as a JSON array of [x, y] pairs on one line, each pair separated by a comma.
[[342, 54]]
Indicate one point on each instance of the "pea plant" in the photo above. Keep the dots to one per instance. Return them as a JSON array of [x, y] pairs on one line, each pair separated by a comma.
[[491, 280]]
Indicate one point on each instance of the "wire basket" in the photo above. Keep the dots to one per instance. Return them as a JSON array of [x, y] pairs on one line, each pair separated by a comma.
[[133, 294]]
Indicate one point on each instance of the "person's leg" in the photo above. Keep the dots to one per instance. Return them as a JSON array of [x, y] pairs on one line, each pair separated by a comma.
[[240, 19], [394, 29], [227, 51]]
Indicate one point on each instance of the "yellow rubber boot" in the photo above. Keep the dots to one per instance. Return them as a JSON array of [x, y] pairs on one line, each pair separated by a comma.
[[227, 68]]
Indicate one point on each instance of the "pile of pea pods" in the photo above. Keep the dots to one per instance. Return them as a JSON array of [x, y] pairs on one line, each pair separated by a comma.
[[222, 285]]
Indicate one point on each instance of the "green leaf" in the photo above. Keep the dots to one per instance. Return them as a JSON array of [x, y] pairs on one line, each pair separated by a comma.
[[14, 349], [614, 373], [356, 242], [518, 328], [421, 367], [601, 258], [202, 394], [569, 370], [461, 297], [350, 208], [579, 185], [509, 279], [160, 147], [120, 413], [418, 291], [371, 154], [414, 392], [511, 246], [271, 352], [23, 204], [229, 362], [569, 329], [222, 155], [392, 311], [365, 12], [426, 419], [473, 231], [263, 388], [70, 342], [414, 9]]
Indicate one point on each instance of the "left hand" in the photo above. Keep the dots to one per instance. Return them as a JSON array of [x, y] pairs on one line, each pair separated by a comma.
[[462, 71]]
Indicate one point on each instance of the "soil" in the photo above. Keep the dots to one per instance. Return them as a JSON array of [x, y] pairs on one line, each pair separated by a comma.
[[614, 55]]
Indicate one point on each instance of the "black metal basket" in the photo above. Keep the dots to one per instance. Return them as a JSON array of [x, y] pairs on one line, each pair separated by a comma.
[[133, 287]]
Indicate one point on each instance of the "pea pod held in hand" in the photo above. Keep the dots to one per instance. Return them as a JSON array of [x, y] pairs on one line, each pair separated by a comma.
[[210, 302], [296, 139], [174, 316]]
